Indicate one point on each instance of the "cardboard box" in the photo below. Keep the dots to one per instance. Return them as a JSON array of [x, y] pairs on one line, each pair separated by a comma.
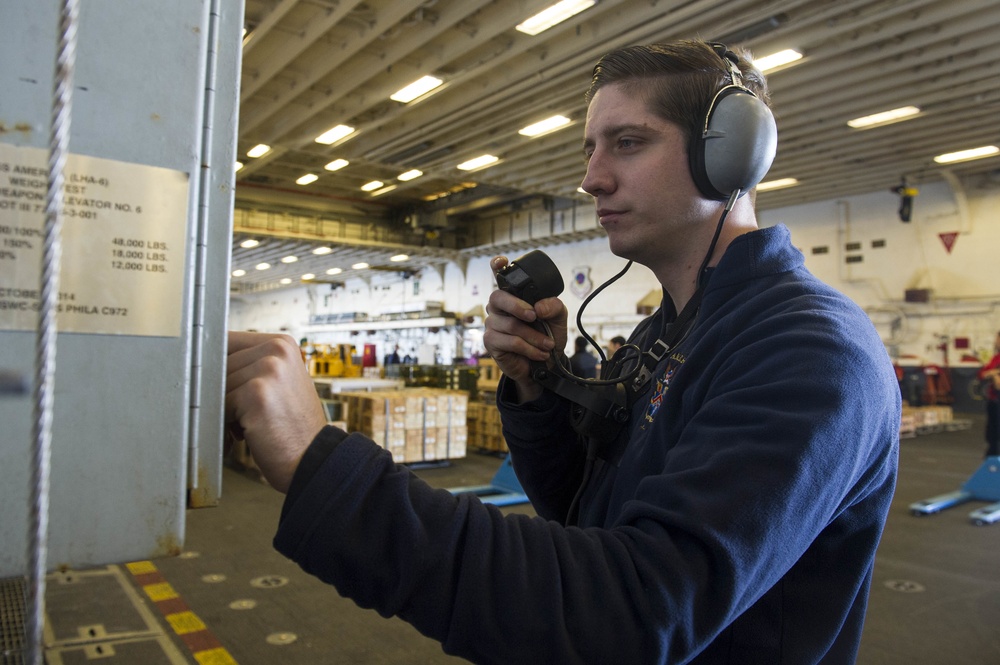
[[414, 424]]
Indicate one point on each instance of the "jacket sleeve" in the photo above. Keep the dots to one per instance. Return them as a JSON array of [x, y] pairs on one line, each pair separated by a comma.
[[544, 451], [775, 452], [488, 586]]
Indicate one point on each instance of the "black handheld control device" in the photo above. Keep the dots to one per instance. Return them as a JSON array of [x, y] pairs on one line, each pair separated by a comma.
[[599, 408], [531, 278]]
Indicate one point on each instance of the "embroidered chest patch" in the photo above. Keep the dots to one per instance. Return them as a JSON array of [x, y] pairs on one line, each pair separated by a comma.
[[661, 387]]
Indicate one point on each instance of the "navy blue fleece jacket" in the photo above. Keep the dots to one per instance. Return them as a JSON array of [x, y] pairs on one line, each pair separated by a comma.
[[739, 525]]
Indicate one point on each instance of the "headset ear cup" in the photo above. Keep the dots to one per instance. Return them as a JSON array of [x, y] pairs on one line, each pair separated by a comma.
[[737, 147]]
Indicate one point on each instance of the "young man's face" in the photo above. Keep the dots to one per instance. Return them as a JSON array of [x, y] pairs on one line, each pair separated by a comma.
[[637, 172]]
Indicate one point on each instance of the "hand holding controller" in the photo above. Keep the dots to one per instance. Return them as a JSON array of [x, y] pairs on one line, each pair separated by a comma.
[[525, 321]]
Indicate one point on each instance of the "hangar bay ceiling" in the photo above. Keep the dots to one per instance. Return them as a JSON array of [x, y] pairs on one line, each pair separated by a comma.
[[311, 66]]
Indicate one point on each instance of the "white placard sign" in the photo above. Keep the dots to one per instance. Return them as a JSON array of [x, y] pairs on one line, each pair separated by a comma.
[[123, 244]]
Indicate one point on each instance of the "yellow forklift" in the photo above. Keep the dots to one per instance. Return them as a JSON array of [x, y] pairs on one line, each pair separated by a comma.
[[334, 360]]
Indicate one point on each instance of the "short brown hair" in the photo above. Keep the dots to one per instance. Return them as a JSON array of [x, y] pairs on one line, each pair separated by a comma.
[[677, 80]]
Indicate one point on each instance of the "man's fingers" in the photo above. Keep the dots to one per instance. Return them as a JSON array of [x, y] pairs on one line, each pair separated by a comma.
[[549, 308], [517, 338], [252, 369], [239, 340], [247, 348], [502, 303], [498, 263]]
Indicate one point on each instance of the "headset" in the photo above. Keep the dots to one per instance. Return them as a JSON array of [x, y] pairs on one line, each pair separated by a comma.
[[738, 138]]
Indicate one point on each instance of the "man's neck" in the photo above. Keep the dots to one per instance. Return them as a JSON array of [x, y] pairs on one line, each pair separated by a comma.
[[681, 281]]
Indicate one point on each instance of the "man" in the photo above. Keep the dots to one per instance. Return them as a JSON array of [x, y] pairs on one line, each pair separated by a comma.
[[616, 343], [582, 363], [990, 374], [734, 519]]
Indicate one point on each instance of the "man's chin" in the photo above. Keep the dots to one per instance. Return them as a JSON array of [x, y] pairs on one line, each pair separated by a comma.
[[619, 247]]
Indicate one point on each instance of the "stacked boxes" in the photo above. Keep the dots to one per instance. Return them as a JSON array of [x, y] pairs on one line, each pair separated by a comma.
[[928, 419], [445, 425], [907, 424], [415, 425], [484, 427], [484, 418], [455, 377]]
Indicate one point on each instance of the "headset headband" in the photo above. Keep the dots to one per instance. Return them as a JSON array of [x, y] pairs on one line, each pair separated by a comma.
[[732, 61]]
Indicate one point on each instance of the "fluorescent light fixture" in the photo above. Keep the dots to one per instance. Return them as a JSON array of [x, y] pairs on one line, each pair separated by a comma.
[[780, 183], [320, 251], [336, 165], [286, 281], [263, 266], [410, 175], [418, 88], [306, 277], [359, 266], [371, 186], [239, 272], [238, 166], [966, 155], [478, 163], [290, 259], [334, 271], [775, 60], [399, 257], [884, 118], [258, 150], [545, 126], [249, 243], [307, 179], [334, 134], [553, 15], [384, 190]]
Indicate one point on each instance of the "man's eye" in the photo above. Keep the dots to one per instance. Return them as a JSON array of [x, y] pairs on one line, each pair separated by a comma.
[[626, 143]]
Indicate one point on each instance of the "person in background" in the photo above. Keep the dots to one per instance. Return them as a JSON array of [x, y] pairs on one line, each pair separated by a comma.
[[583, 363], [735, 516], [614, 344], [990, 374]]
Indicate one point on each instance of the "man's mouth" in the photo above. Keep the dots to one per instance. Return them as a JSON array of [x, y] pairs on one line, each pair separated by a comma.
[[609, 216]]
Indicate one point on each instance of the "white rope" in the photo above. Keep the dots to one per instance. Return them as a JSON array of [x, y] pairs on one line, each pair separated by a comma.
[[45, 348]]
